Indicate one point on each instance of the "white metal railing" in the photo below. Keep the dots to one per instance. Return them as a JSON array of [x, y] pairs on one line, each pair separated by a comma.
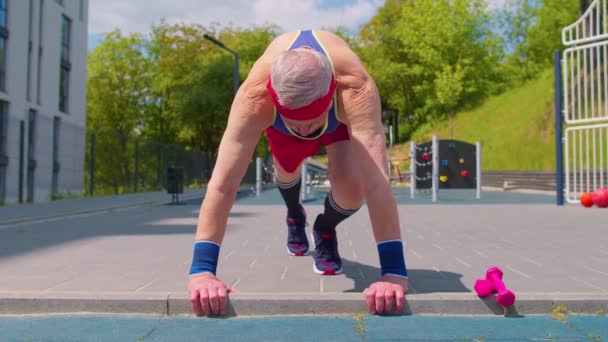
[[585, 75], [586, 160], [590, 27]]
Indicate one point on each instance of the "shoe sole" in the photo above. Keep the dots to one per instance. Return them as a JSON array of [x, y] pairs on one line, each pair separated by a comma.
[[298, 254], [314, 265]]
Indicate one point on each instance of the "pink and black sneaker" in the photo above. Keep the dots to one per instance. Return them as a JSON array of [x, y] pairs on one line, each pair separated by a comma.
[[327, 258], [297, 242]]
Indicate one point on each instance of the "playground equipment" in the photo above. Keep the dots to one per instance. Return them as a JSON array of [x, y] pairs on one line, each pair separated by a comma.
[[444, 164], [312, 172]]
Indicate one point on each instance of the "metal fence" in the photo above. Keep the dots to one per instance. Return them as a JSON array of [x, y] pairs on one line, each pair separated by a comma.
[[582, 154], [117, 164]]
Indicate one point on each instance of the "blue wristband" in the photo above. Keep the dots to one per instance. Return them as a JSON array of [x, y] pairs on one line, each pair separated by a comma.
[[205, 257], [392, 260]]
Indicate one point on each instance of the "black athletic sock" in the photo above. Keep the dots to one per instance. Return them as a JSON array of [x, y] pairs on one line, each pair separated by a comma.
[[332, 215], [291, 195]]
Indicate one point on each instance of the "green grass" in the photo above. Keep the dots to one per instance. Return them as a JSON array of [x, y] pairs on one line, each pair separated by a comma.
[[58, 196], [358, 327], [516, 128]]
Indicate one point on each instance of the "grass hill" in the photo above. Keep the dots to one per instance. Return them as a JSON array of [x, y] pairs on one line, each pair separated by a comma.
[[516, 128]]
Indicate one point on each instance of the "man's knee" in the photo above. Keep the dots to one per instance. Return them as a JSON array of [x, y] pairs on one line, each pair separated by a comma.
[[347, 184]]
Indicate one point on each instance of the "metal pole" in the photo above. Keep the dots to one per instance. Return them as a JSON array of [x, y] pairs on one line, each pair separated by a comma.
[[21, 157], [413, 170], [92, 166], [236, 60], [236, 71], [258, 176], [303, 178], [435, 173], [136, 178], [390, 149], [559, 152], [478, 166]]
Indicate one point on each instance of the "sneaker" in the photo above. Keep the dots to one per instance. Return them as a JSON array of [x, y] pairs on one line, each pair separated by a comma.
[[297, 242], [327, 258]]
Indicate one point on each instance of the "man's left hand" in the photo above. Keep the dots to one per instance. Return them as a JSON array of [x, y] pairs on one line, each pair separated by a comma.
[[386, 296]]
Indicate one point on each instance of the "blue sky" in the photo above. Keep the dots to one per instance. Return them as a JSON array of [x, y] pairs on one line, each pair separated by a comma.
[[139, 15]]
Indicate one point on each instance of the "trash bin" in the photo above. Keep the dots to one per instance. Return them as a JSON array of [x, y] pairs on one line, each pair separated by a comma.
[[175, 182]]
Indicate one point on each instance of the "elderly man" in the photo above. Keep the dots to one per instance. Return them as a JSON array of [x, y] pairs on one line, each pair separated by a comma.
[[308, 87]]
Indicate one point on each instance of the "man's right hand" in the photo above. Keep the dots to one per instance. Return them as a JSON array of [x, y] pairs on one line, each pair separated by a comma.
[[208, 295]]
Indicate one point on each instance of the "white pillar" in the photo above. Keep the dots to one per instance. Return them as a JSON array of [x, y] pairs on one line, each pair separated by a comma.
[[390, 150], [413, 170], [258, 176], [303, 179], [478, 166], [435, 173]]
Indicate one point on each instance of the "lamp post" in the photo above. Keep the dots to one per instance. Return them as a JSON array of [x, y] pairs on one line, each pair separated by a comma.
[[236, 59]]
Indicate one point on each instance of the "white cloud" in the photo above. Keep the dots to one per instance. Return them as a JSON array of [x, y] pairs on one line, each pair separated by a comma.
[[139, 15]]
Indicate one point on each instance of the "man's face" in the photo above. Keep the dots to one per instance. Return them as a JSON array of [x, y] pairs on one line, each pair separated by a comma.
[[306, 127]]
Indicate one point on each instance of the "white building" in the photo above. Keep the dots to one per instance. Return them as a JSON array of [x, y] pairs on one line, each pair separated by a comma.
[[43, 56]]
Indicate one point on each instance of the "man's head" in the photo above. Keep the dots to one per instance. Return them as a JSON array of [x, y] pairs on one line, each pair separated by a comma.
[[301, 84]]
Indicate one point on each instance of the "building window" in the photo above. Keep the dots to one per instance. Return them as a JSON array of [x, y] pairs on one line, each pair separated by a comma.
[[3, 14], [40, 36], [3, 128], [2, 64], [81, 10], [30, 44], [3, 38], [3, 149], [31, 154], [64, 76], [56, 165], [59, 2]]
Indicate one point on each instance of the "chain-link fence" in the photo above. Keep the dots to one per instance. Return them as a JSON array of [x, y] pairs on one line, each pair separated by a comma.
[[117, 164]]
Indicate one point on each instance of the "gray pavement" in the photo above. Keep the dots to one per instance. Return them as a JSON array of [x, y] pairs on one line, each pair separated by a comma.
[[134, 256]]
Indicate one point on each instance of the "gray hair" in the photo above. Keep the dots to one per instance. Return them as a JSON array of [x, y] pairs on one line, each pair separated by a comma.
[[300, 76]]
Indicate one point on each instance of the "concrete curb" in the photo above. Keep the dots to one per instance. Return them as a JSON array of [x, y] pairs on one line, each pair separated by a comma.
[[268, 304]]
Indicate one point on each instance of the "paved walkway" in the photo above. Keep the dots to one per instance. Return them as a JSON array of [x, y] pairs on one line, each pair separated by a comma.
[[132, 254]]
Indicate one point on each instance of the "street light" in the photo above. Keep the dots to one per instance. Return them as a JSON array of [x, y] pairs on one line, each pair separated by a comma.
[[236, 59]]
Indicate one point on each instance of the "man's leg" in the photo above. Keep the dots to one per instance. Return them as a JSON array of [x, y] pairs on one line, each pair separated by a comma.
[[288, 153], [343, 200], [289, 184]]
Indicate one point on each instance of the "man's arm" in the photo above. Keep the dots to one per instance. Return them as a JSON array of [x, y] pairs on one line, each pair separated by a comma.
[[248, 117], [360, 102], [246, 123]]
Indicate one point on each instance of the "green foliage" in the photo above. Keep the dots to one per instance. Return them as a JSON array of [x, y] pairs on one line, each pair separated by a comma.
[[430, 57], [532, 29], [516, 128], [545, 36], [171, 87], [118, 83], [57, 196]]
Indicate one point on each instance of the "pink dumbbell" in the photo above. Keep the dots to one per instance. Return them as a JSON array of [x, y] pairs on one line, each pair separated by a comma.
[[493, 283], [484, 288]]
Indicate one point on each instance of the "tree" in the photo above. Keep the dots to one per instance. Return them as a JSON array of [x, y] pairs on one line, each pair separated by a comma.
[[117, 93], [411, 47]]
